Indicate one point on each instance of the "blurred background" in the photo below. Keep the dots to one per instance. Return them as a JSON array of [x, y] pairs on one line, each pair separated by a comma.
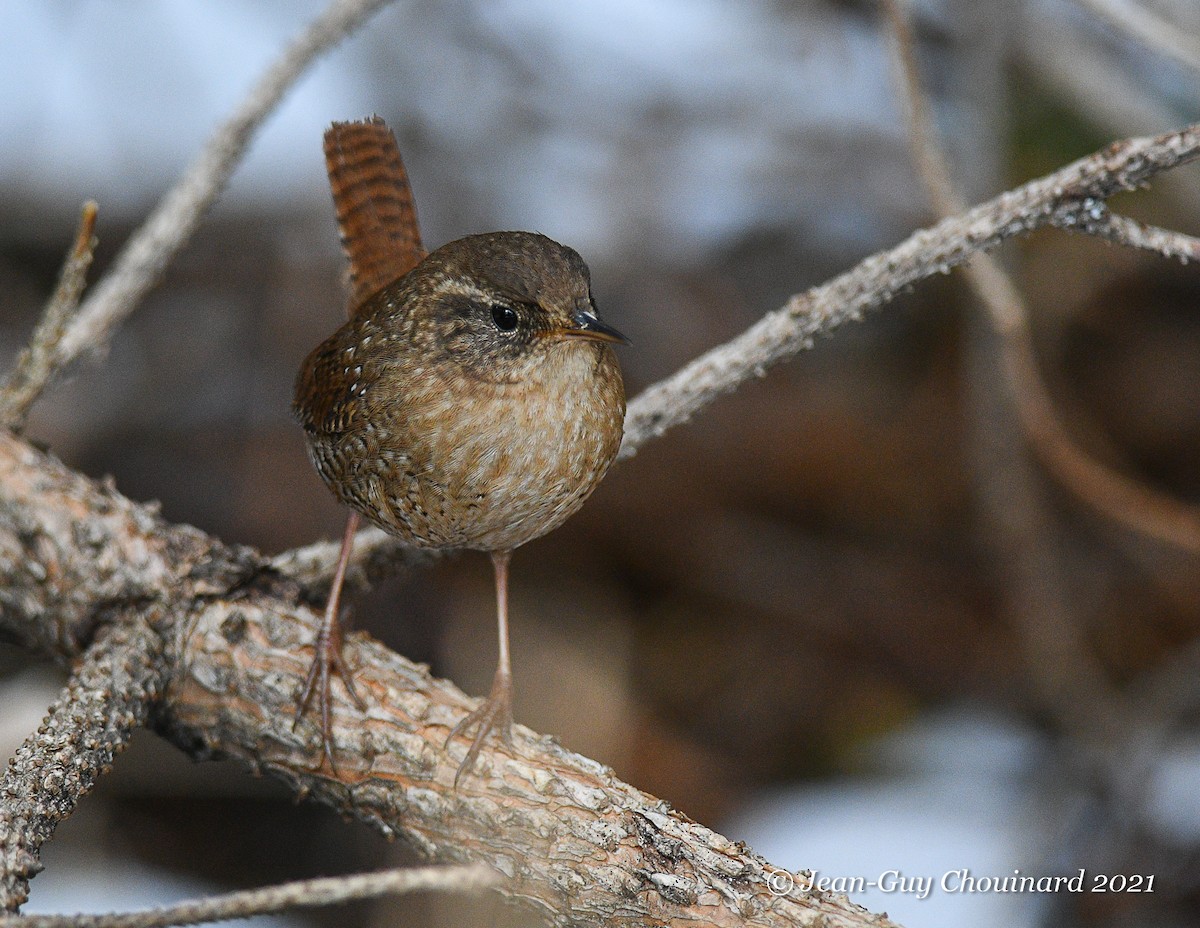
[[817, 618]]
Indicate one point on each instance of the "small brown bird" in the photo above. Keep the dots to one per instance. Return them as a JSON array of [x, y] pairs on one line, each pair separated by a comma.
[[473, 403]]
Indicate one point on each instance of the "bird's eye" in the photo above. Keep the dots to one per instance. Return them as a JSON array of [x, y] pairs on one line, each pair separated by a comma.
[[505, 317]]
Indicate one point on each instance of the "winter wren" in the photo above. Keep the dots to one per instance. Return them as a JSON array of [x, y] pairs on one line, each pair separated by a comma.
[[475, 402]]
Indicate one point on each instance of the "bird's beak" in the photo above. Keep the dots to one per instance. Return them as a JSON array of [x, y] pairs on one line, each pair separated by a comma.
[[588, 325]]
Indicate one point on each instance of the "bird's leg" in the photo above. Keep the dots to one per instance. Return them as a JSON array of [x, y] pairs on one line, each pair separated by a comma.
[[328, 652], [495, 712]]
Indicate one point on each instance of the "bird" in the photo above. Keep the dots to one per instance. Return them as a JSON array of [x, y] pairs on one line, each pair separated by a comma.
[[471, 401]]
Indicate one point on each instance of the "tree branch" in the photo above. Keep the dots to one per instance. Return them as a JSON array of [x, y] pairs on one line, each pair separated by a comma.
[[781, 334], [325, 891], [376, 555], [1114, 495], [147, 253], [1096, 219], [108, 696], [37, 363]]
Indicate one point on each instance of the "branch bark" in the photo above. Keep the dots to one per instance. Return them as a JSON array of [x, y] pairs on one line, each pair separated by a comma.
[[108, 697]]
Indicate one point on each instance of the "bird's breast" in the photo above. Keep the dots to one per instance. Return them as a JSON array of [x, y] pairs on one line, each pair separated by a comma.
[[453, 461]]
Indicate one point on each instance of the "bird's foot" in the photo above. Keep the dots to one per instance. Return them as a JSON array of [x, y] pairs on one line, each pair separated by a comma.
[[327, 656], [493, 714]]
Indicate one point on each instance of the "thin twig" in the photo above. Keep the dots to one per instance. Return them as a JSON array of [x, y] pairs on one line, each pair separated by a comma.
[[930, 159], [108, 697], [37, 363], [1153, 31], [376, 555], [141, 262], [325, 891], [1096, 219]]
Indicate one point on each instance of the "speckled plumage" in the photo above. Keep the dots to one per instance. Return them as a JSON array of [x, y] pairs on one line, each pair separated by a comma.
[[448, 431]]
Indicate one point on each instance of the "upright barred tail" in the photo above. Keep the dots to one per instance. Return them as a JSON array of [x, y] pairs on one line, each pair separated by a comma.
[[376, 215]]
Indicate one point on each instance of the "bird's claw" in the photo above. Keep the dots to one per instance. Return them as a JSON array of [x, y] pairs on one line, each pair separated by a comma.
[[327, 654], [493, 714]]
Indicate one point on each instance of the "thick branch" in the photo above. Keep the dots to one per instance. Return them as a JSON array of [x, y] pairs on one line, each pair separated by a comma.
[[107, 698], [63, 566], [570, 838]]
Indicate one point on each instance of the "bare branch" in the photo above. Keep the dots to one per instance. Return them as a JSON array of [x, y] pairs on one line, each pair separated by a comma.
[[108, 696], [1096, 219], [310, 894], [570, 838], [142, 260], [781, 334], [376, 555], [1154, 32], [37, 363], [1122, 499]]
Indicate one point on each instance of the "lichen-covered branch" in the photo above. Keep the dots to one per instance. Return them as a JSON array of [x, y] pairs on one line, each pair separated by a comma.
[[109, 695], [1096, 219]]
